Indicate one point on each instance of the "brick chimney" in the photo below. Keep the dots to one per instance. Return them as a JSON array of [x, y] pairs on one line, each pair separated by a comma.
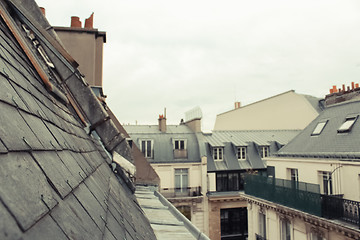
[[162, 122], [89, 22], [75, 22], [342, 94]]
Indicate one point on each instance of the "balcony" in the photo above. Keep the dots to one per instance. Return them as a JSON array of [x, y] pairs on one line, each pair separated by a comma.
[[299, 195], [305, 197], [181, 192]]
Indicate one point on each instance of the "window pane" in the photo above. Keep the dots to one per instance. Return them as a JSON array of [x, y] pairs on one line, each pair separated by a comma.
[[176, 144], [182, 144], [148, 149]]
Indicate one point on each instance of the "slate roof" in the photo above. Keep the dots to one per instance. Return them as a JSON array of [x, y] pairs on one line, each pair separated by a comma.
[[251, 139], [163, 145], [330, 143], [55, 177]]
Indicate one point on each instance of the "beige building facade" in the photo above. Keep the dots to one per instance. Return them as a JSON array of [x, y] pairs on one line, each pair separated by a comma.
[[288, 110]]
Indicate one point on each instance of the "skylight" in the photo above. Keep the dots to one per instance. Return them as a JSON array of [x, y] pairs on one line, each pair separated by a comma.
[[347, 125], [319, 127]]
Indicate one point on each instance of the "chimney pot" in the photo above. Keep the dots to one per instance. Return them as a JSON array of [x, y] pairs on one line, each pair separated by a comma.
[[352, 85], [42, 10], [356, 85], [331, 91], [89, 22], [343, 87], [237, 105], [75, 22]]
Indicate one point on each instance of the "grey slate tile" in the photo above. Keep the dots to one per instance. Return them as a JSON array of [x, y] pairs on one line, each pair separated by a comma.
[[84, 165], [46, 228], [24, 189], [108, 235], [3, 148], [72, 165], [115, 227], [97, 190], [14, 129], [54, 169], [56, 132], [8, 94], [41, 132], [91, 205], [74, 220], [8, 227]]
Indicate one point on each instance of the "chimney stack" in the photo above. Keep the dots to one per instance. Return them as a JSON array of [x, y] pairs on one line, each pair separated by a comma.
[[162, 122], [75, 22], [237, 105], [342, 94], [89, 22]]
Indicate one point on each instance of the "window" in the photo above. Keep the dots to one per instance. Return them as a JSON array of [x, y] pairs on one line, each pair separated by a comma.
[[262, 225], [319, 128], [294, 177], [179, 144], [234, 224], [181, 180], [327, 183], [285, 229], [185, 210], [146, 148], [218, 153], [347, 125], [264, 151], [233, 181], [316, 236], [241, 153]]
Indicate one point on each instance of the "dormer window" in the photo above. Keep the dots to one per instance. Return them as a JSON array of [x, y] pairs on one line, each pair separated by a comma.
[[348, 124], [179, 146], [319, 128], [264, 151], [241, 153], [146, 147], [218, 153]]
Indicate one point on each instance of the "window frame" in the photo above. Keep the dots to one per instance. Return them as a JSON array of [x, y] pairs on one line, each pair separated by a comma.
[[216, 152], [262, 224], [241, 153], [285, 224], [178, 142], [348, 124], [263, 150], [320, 126], [145, 151], [181, 172]]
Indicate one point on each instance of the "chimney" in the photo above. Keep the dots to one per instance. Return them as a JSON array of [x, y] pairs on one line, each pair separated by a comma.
[[75, 22], [42, 10], [162, 122], [237, 105], [89, 22], [343, 94]]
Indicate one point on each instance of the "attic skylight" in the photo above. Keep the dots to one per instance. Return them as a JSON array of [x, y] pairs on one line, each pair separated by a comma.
[[319, 127], [348, 124]]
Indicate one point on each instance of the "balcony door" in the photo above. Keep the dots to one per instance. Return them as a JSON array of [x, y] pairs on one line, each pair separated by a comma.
[[181, 181]]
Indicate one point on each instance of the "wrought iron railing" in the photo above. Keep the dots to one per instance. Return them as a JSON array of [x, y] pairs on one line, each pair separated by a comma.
[[181, 192], [299, 195], [336, 207], [259, 237]]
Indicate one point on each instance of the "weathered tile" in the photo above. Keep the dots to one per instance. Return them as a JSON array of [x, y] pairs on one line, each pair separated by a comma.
[[108, 235], [41, 131], [117, 229], [74, 220], [56, 132], [61, 178], [14, 131], [91, 205], [8, 226], [84, 165], [46, 228], [72, 166], [8, 94], [24, 189], [96, 189]]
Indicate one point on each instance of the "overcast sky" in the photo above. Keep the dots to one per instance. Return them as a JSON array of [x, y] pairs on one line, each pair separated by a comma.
[[188, 53]]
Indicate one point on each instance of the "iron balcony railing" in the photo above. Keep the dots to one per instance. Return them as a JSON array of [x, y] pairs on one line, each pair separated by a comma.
[[305, 197], [336, 207], [181, 192], [299, 195], [259, 237]]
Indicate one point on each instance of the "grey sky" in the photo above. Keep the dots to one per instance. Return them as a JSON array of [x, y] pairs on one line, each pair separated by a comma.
[[183, 54]]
